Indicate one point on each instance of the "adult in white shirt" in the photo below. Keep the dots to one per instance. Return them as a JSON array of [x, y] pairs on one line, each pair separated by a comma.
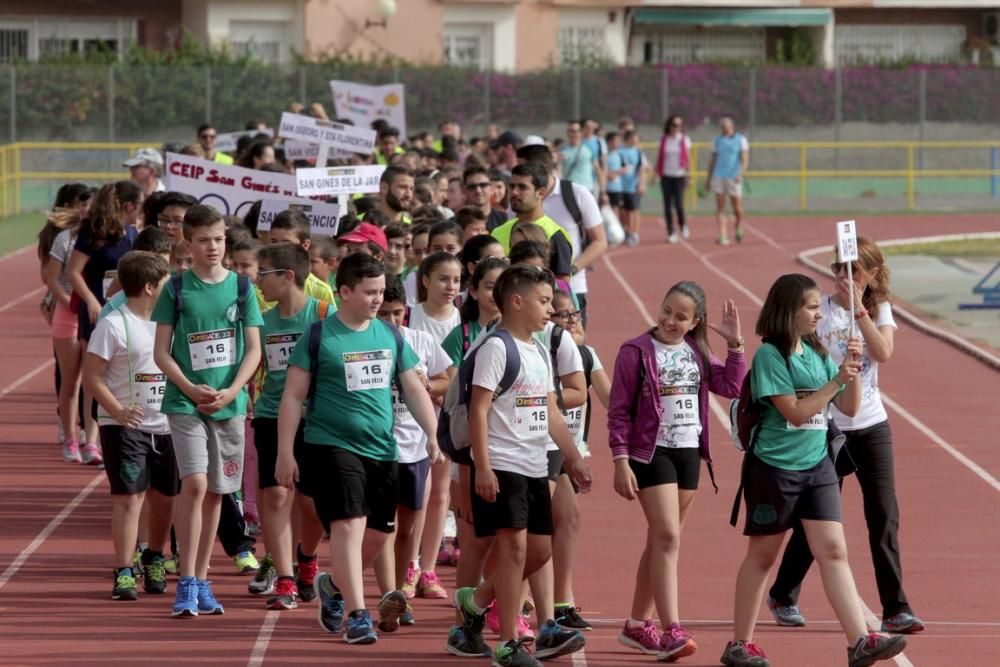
[[146, 165], [586, 234], [673, 168]]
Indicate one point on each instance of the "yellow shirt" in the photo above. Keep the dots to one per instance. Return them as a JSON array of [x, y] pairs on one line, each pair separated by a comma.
[[222, 158], [315, 288]]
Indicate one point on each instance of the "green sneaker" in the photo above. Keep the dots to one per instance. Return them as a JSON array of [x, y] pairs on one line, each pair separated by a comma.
[[246, 562], [263, 582], [513, 654], [124, 588], [172, 565], [154, 577]]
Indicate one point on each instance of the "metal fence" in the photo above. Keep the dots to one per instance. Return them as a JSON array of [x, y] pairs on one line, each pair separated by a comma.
[[40, 102]]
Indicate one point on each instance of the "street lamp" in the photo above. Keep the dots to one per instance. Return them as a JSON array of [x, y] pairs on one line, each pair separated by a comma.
[[385, 10]]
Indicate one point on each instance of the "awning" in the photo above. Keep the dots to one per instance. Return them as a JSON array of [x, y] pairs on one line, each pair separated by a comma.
[[732, 17]]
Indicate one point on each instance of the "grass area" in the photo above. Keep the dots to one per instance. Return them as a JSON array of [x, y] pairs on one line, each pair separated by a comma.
[[969, 248], [19, 230]]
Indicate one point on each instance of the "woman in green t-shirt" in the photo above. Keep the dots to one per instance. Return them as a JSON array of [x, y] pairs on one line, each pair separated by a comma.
[[788, 476]]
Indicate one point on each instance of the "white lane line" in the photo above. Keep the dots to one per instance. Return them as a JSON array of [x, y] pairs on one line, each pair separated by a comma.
[[875, 625], [263, 639], [24, 297], [48, 530], [24, 378], [580, 658], [723, 418]]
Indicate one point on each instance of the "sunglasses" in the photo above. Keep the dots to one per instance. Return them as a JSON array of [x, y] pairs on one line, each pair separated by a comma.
[[477, 186], [837, 267], [208, 136]]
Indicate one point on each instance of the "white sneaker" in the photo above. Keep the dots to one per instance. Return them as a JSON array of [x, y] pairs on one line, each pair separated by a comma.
[[672, 238], [685, 232]]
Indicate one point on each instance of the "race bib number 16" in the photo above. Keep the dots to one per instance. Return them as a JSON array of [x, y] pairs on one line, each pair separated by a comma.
[[367, 370], [212, 349], [531, 414]]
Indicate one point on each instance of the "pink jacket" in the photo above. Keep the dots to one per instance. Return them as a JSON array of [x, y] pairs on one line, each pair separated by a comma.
[[661, 155]]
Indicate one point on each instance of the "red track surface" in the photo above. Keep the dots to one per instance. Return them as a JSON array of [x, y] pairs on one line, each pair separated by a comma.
[[55, 606]]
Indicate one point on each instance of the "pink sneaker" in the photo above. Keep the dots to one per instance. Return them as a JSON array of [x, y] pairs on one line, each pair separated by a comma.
[[645, 639], [675, 643], [410, 585], [524, 630], [91, 454], [71, 451], [493, 618], [429, 587]]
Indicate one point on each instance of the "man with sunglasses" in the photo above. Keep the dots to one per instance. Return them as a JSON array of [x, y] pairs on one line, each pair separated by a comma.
[[478, 194], [206, 139]]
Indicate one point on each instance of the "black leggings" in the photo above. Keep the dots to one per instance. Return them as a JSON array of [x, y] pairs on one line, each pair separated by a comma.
[[871, 449], [673, 199]]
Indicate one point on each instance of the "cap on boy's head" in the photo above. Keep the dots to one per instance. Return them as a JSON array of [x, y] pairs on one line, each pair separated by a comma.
[[364, 233], [145, 156]]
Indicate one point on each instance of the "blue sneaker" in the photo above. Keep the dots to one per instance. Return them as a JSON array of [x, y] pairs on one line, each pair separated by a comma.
[[331, 603], [186, 601], [359, 628], [207, 604], [554, 641]]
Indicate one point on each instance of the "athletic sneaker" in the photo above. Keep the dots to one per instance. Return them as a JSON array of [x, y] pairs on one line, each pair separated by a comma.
[[186, 600], [286, 595], [430, 588], [390, 608], [903, 623], [407, 617], [465, 647], [523, 620], [246, 562], [722, 240], [513, 654], [472, 621], [645, 638], [568, 616], [553, 641], [71, 451], [675, 643], [172, 565], [207, 604], [672, 238], [788, 616], [873, 648], [154, 576], [331, 603], [359, 628], [263, 582], [744, 654], [90, 454], [410, 584], [685, 233], [124, 588], [632, 239], [306, 571], [739, 233]]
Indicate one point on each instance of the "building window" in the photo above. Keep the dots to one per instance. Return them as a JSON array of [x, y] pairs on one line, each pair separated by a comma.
[[876, 44], [261, 40], [55, 37], [683, 46], [582, 45], [467, 45]]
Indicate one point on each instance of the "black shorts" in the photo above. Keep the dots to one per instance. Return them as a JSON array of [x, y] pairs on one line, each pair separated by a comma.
[[777, 498], [624, 200], [555, 464], [412, 486], [346, 485], [265, 439], [135, 461], [670, 465], [522, 503]]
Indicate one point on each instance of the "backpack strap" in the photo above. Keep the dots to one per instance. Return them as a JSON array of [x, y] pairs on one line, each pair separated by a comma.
[[573, 207], [243, 287], [554, 343], [315, 332], [176, 285], [398, 335], [588, 370], [322, 308], [513, 366], [406, 316], [466, 337]]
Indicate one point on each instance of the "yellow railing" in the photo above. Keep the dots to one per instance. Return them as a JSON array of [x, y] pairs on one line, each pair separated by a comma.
[[798, 162]]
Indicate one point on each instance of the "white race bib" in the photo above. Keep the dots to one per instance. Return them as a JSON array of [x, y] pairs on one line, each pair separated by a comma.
[[367, 370], [212, 349], [574, 421], [149, 390], [531, 416], [399, 409], [680, 404], [815, 423], [109, 277], [278, 348]]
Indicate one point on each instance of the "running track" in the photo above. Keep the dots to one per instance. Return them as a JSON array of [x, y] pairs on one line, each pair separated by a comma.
[[54, 552]]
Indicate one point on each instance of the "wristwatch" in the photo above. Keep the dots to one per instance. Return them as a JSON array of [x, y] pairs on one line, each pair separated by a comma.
[[739, 344]]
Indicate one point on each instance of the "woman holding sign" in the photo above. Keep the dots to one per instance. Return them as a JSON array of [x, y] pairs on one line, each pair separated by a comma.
[[869, 441]]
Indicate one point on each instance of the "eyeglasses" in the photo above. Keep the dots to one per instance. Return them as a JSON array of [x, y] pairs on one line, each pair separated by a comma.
[[208, 136], [163, 221], [477, 186], [261, 274], [567, 314], [837, 267]]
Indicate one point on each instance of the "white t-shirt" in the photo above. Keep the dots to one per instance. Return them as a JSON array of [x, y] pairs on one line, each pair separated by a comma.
[[554, 207], [411, 441], [679, 379], [833, 331], [568, 360], [576, 417], [410, 287], [672, 155], [517, 423], [147, 384], [438, 329], [62, 248]]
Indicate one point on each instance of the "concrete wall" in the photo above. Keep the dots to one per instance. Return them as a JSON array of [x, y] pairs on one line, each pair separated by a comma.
[[337, 27], [157, 22]]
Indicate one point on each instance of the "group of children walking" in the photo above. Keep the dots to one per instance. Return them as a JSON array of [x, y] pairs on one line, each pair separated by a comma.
[[378, 406]]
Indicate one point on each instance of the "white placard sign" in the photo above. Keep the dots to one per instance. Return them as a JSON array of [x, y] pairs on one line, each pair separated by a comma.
[[362, 103], [300, 150], [227, 142], [230, 190], [335, 135], [322, 217], [338, 180], [847, 242]]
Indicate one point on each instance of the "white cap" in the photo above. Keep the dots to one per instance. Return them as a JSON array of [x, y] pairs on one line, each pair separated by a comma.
[[144, 155], [533, 140]]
